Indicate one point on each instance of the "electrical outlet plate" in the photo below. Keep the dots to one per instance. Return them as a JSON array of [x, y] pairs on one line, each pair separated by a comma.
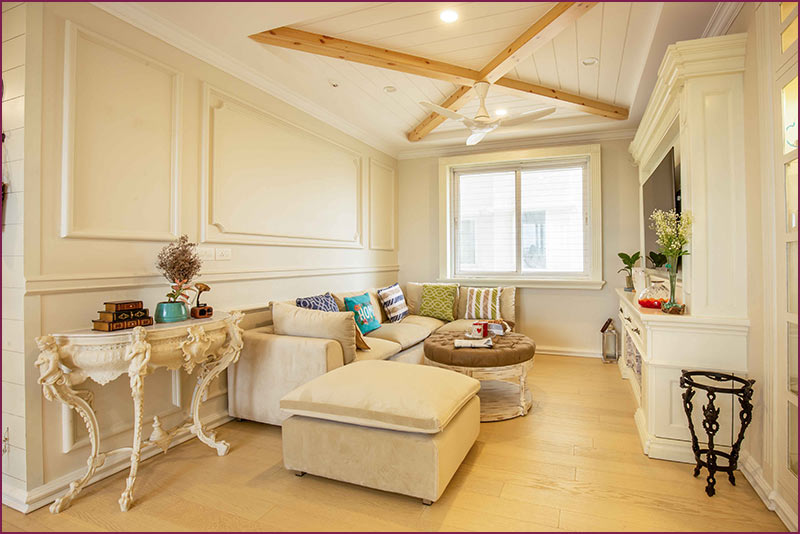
[[206, 253], [223, 254]]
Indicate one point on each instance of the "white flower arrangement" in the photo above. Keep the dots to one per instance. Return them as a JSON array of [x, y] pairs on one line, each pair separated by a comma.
[[673, 231]]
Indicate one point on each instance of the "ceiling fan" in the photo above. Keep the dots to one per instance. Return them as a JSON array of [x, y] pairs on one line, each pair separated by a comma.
[[482, 123]]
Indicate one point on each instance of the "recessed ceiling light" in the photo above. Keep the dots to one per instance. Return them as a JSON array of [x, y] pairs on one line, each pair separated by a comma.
[[333, 83], [389, 89], [501, 112], [589, 61], [448, 16]]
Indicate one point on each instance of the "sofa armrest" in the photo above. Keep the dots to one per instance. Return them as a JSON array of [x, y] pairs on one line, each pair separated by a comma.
[[270, 366]]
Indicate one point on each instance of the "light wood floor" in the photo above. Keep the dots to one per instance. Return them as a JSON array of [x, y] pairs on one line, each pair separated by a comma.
[[574, 463]]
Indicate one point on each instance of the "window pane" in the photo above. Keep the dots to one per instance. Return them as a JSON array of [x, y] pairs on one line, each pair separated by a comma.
[[791, 354], [552, 220], [790, 176], [786, 9], [789, 36], [791, 276], [792, 438], [789, 101], [486, 223]]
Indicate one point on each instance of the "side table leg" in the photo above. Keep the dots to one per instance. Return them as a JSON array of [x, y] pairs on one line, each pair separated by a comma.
[[139, 357], [208, 372], [57, 386]]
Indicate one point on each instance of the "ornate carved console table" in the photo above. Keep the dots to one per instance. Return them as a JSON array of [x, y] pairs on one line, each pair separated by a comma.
[[68, 359]]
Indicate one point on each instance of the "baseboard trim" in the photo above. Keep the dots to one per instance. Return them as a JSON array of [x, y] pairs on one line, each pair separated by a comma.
[[30, 500], [754, 474], [564, 351]]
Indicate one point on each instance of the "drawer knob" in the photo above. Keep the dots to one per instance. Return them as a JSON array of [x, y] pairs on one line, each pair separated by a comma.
[[636, 330], [627, 318]]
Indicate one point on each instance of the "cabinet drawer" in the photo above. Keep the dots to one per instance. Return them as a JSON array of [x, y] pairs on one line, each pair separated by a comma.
[[630, 320]]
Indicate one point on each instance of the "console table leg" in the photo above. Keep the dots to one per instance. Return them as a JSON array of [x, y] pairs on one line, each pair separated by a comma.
[[57, 386], [139, 356], [208, 372]]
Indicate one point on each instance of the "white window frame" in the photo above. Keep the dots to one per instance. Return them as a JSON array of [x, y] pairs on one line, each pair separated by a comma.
[[534, 156]]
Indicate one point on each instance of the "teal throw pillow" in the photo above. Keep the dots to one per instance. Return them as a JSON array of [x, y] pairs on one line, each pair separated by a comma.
[[361, 307]]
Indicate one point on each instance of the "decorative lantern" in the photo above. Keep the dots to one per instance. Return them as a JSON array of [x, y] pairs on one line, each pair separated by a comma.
[[608, 342]]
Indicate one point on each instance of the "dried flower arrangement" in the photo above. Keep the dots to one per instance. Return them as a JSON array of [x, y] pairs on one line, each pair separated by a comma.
[[179, 263]]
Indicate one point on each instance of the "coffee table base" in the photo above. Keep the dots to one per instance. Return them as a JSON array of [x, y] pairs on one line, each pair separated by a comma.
[[504, 390]]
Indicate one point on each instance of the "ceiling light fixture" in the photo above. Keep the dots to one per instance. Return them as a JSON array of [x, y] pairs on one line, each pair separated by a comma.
[[589, 61], [448, 16], [501, 112], [389, 89], [333, 83]]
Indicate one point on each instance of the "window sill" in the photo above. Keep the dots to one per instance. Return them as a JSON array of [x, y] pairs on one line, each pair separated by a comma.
[[555, 283]]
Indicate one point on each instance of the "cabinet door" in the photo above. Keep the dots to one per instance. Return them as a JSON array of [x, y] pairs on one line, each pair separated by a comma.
[[670, 418]]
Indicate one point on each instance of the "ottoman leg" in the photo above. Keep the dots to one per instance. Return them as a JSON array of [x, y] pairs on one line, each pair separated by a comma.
[[426, 502], [300, 473]]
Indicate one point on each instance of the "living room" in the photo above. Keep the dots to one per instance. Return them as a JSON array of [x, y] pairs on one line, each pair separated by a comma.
[[431, 209]]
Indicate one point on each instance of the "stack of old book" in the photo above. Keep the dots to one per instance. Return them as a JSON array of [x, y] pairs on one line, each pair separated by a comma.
[[122, 314]]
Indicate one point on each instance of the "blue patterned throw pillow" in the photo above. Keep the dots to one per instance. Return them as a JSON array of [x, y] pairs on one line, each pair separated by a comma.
[[393, 302], [363, 312], [318, 302]]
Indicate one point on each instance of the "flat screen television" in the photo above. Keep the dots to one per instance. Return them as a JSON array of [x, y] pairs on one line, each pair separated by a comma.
[[661, 191]]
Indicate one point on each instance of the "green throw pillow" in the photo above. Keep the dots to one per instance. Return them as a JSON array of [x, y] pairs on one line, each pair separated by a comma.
[[437, 301]]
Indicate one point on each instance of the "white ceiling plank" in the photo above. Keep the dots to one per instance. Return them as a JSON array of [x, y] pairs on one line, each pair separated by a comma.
[[526, 71], [589, 33], [615, 29], [641, 30], [546, 66], [366, 16], [565, 46]]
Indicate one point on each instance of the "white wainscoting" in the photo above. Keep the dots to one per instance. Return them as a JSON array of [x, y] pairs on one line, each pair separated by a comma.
[[255, 162], [382, 206], [99, 199]]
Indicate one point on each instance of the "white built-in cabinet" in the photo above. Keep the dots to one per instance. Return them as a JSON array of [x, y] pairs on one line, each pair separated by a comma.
[[697, 107]]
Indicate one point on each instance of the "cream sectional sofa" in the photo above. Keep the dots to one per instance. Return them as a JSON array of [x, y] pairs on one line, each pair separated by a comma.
[[272, 365]]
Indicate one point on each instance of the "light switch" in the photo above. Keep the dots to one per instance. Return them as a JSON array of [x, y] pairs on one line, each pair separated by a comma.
[[205, 253], [223, 254]]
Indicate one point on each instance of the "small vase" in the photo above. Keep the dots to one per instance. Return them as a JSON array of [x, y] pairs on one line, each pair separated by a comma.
[[171, 312], [629, 283], [672, 306], [653, 296]]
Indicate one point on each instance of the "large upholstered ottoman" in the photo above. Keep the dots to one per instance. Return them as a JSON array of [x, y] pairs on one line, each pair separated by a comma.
[[386, 425]]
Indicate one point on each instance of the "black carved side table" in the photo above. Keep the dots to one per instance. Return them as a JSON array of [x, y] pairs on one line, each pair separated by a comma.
[[743, 389]]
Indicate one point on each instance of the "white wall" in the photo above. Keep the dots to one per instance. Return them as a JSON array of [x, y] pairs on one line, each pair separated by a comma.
[[561, 321], [14, 23], [161, 143]]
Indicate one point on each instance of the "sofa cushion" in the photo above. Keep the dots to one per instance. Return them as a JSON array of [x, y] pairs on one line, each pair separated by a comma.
[[385, 394], [438, 300], [318, 302], [373, 298], [393, 302], [364, 313], [507, 304], [459, 325], [413, 294], [407, 335], [432, 324], [290, 320], [380, 349]]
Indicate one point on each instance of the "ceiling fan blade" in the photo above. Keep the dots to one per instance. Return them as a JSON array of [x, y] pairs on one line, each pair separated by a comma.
[[528, 117], [450, 114], [475, 138]]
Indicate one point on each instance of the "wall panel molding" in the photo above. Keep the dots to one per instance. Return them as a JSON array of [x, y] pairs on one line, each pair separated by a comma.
[[44, 285], [382, 211], [73, 34], [225, 221]]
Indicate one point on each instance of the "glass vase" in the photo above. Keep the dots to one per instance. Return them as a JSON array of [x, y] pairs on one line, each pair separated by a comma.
[[653, 296], [672, 306]]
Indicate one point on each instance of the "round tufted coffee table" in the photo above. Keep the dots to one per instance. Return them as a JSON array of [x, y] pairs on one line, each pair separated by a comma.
[[502, 370]]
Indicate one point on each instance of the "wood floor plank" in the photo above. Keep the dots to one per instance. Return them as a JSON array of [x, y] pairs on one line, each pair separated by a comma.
[[574, 464]]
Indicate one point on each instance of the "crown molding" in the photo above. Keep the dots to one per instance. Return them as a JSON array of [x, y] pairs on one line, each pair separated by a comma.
[[176, 36], [509, 144], [722, 18]]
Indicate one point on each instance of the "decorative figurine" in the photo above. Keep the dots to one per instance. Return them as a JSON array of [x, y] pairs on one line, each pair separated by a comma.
[[201, 310]]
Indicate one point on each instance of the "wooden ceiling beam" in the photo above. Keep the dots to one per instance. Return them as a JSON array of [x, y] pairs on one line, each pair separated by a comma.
[[324, 45], [587, 105], [539, 33]]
